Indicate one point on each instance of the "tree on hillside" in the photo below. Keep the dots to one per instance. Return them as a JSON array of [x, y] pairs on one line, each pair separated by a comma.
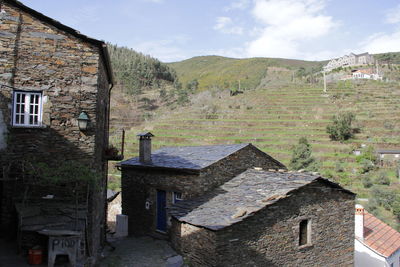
[[301, 72], [340, 128], [301, 156], [136, 71], [192, 85]]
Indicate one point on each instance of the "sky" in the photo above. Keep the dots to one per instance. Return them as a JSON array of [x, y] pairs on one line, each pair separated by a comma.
[[174, 30]]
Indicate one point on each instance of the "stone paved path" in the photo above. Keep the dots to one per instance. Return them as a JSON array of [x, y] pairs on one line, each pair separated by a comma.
[[138, 252], [129, 252]]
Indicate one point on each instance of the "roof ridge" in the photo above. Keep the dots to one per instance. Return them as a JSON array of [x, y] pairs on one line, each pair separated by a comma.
[[241, 144]]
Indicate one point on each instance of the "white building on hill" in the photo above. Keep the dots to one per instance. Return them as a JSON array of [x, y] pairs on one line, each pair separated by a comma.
[[349, 60], [366, 74]]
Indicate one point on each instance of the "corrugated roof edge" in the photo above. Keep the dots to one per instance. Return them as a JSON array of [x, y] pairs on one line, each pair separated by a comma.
[[318, 178], [101, 44]]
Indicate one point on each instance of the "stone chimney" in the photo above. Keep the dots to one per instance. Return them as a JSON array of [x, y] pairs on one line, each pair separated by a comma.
[[359, 222], [145, 147]]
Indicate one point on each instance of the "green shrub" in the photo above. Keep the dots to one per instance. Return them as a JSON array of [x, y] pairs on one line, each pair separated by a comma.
[[327, 174], [367, 166], [372, 206], [344, 179], [396, 207], [339, 167], [367, 153], [382, 178], [388, 125], [301, 156], [67, 172], [384, 196], [341, 127], [367, 181]]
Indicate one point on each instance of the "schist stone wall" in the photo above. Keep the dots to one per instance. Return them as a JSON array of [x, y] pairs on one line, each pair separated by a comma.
[[271, 236], [140, 185], [72, 76]]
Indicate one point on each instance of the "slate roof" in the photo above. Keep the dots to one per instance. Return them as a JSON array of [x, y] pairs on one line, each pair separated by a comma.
[[101, 44], [379, 236], [241, 197], [188, 157]]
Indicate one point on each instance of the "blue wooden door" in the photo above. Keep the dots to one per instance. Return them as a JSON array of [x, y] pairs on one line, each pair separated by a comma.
[[161, 211]]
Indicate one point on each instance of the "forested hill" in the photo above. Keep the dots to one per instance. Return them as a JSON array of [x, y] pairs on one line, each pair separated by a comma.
[[135, 71]]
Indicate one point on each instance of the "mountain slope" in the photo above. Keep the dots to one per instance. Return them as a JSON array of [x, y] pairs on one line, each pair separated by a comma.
[[221, 72]]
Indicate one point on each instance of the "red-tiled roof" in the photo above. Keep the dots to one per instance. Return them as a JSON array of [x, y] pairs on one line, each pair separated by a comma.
[[366, 71], [379, 236]]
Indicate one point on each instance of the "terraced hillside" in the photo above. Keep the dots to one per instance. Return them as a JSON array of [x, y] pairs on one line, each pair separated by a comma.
[[274, 117]]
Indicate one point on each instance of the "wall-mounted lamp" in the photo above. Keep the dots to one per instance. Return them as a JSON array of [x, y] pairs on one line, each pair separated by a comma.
[[83, 121]]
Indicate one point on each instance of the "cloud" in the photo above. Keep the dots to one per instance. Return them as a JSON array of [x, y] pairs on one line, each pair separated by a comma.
[[166, 50], [393, 15], [382, 42], [286, 24], [226, 25], [239, 4], [234, 52], [385, 42]]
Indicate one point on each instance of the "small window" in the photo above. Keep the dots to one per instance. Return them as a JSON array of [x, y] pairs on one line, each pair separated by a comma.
[[304, 232], [176, 197], [27, 109]]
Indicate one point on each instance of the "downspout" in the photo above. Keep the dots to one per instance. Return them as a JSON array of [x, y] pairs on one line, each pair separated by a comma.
[[109, 110], [111, 83], [106, 182]]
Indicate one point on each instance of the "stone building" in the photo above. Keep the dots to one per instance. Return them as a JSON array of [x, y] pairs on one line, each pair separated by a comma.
[[153, 182], [388, 157], [264, 218], [350, 60], [51, 75]]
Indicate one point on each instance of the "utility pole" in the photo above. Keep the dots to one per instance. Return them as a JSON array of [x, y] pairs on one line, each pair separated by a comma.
[[239, 85], [293, 76], [324, 81]]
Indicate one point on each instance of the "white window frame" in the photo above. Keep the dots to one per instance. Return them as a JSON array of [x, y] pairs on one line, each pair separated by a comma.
[[25, 111], [175, 198]]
